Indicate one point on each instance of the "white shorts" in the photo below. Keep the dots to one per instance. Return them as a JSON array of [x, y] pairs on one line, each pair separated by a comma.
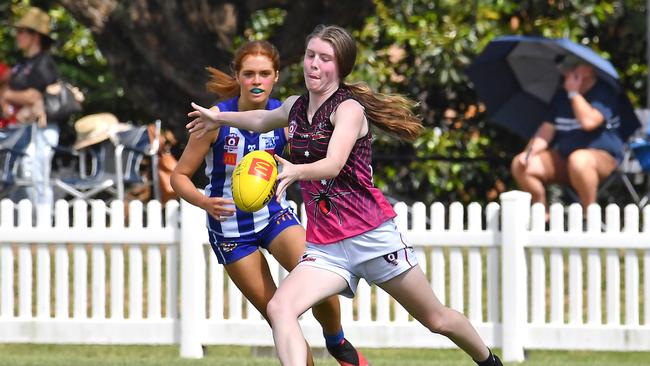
[[376, 256]]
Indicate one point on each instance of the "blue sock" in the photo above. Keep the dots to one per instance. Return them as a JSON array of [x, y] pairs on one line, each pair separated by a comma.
[[334, 340]]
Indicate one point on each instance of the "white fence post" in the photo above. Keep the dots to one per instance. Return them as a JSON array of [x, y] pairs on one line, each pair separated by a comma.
[[172, 216], [6, 261], [43, 281], [25, 262], [514, 225], [192, 285]]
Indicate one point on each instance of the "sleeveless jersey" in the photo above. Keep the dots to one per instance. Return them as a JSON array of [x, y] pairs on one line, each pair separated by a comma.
[[348, 204], [230, 146]]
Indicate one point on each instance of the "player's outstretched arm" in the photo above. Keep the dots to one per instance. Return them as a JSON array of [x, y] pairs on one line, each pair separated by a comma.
[[259, 120]]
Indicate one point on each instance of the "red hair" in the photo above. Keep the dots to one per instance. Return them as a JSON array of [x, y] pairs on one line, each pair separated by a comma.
[[226, 86]]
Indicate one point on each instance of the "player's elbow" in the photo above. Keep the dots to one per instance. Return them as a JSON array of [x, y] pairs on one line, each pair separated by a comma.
[[176, 178], [264, 121], [330, 174], [333, 169], [260, 126], [173, 180]]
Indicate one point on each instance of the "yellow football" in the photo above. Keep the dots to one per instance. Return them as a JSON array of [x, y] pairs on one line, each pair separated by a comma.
[[254, 181]]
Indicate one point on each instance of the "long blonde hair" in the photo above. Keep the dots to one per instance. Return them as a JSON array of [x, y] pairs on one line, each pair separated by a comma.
[[226, 86], [390, 112]]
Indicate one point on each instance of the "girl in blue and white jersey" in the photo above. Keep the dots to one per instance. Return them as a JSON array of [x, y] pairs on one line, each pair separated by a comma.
[[237, 236]]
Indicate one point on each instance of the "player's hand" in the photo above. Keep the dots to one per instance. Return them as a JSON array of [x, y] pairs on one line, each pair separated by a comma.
[[286, 177], [204, 120], [218, 207]]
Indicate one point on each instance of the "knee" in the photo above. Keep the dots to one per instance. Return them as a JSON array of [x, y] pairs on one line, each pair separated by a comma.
[[516, 167], [440, 324], [277, 309], [580, 160]]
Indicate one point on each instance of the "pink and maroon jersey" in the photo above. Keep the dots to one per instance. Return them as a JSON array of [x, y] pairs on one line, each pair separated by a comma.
[[348, 204]]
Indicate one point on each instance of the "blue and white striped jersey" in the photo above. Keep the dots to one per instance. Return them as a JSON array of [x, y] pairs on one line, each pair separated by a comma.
[[231, 145]]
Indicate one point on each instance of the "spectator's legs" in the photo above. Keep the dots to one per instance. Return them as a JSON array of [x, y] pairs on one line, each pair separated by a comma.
[[542, 168], [586, 168], [39, 163]]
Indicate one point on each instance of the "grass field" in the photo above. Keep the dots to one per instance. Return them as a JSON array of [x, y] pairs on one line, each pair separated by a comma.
[[55, 355]]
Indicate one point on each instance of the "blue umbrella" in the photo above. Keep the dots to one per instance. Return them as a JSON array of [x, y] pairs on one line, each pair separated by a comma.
[[517, 76]]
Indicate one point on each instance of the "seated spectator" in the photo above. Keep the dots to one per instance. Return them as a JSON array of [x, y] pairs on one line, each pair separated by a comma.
[[578, 144], [29, 79]]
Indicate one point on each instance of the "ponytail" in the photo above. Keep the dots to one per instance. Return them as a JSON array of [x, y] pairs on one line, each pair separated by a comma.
[[221, 84], [390, 112]]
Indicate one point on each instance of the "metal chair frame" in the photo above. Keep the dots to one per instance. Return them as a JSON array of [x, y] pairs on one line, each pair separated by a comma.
[[112, 173]]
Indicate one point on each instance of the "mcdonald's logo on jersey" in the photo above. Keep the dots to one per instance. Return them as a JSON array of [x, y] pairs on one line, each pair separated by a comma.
[[230, 159], [261, 168]]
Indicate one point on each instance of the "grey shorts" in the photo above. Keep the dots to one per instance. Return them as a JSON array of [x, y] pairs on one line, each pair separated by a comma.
[[376, 256]]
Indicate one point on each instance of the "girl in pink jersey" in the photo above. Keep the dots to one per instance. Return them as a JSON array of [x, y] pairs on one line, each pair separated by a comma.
[[350, 228], [256, 67]]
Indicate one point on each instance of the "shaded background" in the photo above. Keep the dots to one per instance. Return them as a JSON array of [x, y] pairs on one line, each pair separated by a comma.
[[146, 59]]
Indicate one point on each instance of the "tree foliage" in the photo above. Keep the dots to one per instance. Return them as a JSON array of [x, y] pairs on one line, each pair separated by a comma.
[[421, 48], [78, 58], [140, 67]]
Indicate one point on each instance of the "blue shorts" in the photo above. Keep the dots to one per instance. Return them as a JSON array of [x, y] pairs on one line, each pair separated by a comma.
[[229, 250]]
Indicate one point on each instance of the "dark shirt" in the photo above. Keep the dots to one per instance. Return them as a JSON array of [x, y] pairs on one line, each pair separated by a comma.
[[569, 135], [35, 72]]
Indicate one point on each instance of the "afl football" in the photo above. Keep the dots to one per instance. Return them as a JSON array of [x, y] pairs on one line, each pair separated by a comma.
[[254, 181]]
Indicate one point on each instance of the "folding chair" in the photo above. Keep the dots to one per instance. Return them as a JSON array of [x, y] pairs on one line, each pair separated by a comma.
[[101, 176], [13, 149], [115, 165], [622, 173], [641, 150], [134, 145]]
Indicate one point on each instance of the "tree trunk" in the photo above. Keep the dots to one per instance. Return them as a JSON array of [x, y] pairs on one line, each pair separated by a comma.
[[159, 48]]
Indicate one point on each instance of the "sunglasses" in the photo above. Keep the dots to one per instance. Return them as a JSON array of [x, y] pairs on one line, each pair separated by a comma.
[[24, 30]]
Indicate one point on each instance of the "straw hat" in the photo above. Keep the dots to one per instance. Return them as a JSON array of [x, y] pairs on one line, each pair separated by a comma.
[[95, 128], [37, 20]]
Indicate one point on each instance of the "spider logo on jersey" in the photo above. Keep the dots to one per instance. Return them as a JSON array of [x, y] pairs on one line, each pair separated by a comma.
[[324, 203]]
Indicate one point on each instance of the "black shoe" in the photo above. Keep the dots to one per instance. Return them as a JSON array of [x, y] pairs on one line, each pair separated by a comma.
[[497, 361], [347, 355], [492, 360]]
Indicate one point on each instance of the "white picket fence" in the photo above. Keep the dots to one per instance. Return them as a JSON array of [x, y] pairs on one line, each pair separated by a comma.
[[101, 281]]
